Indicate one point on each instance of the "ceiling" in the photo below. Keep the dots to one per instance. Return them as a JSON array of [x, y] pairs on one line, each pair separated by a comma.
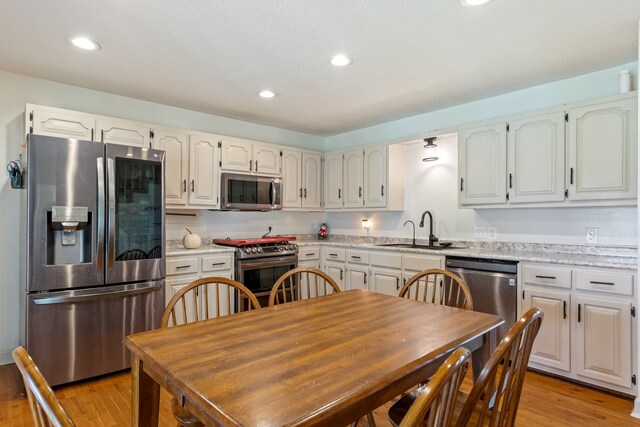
[[409, 56]]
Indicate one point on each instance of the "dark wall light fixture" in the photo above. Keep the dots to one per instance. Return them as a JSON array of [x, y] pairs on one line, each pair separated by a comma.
[[430, 150]]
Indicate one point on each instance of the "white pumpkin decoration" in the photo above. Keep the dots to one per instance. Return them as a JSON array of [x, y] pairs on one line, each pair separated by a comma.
[[191, 241]]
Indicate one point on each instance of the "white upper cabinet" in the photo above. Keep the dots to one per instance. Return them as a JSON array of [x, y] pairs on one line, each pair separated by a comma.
[[203, 170], [123, 132], [242, 155], [301, 179], [60, 123], [353, 176], [482, 164], [333, 181], [175, 144], [603, 141], [375, 173], [535, 148]]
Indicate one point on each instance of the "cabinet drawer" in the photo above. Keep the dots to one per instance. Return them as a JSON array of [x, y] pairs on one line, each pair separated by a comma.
[[543, 275], [182, 266], [308, 254], [334, 254], [358, 257], [386, 259], [614, 282], [420, 262], [216, 263]]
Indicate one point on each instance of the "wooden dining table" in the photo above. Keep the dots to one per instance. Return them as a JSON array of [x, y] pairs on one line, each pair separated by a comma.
[[324, 361]]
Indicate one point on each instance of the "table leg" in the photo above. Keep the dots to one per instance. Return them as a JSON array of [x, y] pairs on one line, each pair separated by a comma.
[[482, 354], [145, 396]]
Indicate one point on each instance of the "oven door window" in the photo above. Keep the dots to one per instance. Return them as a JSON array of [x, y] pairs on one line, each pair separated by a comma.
[[261, 279]]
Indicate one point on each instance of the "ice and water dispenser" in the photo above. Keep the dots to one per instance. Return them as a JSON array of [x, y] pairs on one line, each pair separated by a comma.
[[69, 237]]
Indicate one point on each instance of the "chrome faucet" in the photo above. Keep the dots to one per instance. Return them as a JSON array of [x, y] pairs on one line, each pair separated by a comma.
[[432, 238], [413, 242]]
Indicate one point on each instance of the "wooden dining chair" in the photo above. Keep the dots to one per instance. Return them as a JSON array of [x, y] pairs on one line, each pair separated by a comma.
[[438, 287], [495, 395], [46, 409], [219, 295], [435, 405], [301, 283]]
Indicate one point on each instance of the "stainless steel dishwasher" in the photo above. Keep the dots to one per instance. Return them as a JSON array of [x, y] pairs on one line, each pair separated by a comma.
[[492, 284]]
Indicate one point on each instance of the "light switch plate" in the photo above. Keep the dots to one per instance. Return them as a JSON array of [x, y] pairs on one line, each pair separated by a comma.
[[591, 235], [492, 233], [481, 232]]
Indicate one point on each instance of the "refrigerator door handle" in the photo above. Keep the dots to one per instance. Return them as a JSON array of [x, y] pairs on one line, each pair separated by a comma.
[[101, 215], [111, 200], [154, 286]]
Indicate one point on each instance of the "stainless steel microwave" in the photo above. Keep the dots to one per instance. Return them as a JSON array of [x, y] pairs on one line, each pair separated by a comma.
[[242, 192]]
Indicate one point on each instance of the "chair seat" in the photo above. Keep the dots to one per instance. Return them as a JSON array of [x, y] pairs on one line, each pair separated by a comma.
[[184, 417], [399, 409]]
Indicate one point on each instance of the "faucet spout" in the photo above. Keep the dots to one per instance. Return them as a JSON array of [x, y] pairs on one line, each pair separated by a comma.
[[413, 241], [432, 238]]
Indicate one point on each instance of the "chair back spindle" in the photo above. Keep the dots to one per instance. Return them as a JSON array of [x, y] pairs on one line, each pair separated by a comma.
[[438, 287], [301, 283]]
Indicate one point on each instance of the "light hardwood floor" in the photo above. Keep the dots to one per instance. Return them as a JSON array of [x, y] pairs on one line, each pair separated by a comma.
[[105, 401]]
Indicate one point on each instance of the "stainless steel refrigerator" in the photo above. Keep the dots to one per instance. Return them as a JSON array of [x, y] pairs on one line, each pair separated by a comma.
[[95, 262]]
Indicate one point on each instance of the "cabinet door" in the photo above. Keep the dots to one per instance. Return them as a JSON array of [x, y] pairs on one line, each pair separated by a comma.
[[353, 179], [386, 281], [236, 155], [123, 132], [536, 159], [482, 164], [336, 271], [375, 177], [172, 287], [311, 180], [176, 166], [603, 141], [357, 277], [266, 159], [306, 286], [333, 181], [203, 170], [63, 124], [291, 179], [603, 340], [552, 346]]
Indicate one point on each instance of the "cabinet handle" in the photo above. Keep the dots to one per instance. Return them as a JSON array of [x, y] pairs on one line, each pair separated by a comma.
[[397, 283], [579, 313], [382, 190], [461, 184], [333, 254], [359, 191], [571, 176], [357, 257], [256, 166], [404, 281], [341, 276], [564, 309], [217, 263], [182, 266], [193, 185], [339, 193], [184, 185], [250, 165], [365, 278], [546, 277], [594, 282], [310, 254], [305, 193], [510, 180], [301, 192]]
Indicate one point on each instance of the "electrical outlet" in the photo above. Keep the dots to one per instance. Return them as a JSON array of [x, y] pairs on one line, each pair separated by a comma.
[[492, 233], [591, 235], [481, 232]]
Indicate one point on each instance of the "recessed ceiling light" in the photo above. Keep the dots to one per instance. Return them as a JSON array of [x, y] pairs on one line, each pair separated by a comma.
[[340, 60], [84, 43], [472, 3], [266, 93]]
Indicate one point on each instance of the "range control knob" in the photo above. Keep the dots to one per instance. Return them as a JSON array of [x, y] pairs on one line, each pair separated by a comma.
[[246, 250], [253, 250], [259, 249]]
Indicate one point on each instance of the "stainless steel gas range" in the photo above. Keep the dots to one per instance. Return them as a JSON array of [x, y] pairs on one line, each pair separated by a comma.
[[261, 261]]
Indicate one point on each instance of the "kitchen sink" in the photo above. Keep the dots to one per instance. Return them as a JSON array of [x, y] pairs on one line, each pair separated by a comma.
[[411, 246]]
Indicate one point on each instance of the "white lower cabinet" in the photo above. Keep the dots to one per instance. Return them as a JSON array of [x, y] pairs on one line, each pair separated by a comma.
[[333, 263], [182, 270], [386, 280], [589, 328]]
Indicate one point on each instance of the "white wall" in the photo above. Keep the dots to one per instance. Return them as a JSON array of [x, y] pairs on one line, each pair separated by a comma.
[[433, 186], [17, 90]]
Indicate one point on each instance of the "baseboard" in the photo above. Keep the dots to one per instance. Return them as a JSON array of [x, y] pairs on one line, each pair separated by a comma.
[[636, 408], [5, 357]]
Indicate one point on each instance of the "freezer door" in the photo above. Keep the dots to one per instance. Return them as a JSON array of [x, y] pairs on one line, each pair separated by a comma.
[[135, 214], [65, 225], [72, 335]]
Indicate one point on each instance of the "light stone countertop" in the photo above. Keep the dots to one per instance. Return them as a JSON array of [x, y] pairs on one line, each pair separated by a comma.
[[623, 258]]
